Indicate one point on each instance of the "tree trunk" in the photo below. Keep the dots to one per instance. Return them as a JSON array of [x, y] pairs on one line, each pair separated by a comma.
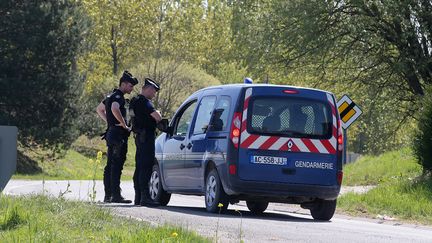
[[114, 50]]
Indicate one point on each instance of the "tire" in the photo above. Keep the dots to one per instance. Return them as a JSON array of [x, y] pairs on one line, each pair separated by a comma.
[[157, 193], [323, 209], [215, 194], [257, 207]]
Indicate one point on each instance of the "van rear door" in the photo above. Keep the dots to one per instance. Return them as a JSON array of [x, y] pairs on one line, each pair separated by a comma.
[[288, 135]]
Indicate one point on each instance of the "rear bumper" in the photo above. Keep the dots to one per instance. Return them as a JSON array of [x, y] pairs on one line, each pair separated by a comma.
[[277, 192]]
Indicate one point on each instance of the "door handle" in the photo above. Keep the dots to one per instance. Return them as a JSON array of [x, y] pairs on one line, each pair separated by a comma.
[[189, 146], [182, 146]]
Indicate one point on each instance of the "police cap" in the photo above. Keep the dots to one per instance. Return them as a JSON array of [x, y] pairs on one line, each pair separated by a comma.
[[127, 77], [150, 82]]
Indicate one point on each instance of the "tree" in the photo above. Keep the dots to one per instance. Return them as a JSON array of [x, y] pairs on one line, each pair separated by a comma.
[[379, 51], [380, 47], [39, 45], [120, 35], [253, 39], [423, 137], [177, 82], [381, 43]]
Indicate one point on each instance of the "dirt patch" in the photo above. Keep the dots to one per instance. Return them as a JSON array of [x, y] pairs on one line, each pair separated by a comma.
[[355, 189]]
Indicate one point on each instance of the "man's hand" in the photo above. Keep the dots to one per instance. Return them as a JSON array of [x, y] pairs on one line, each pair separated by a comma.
[[124, 126], [129, 129]]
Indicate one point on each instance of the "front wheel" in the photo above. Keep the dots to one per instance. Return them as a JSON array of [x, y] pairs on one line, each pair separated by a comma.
[[323, 209], [157, 193], [216, 199], [257, 207]]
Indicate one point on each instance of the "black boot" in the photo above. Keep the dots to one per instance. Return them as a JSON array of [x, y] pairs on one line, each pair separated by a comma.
[[107, 199], [119, 199], [147, 202]]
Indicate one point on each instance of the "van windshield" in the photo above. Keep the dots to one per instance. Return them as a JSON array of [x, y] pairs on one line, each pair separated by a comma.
[[290, 117]]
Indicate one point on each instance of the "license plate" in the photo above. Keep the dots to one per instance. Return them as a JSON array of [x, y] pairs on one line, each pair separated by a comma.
[[268, 160]]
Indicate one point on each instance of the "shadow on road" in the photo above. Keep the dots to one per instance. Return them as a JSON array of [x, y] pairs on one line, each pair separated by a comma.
[[117, 205], [230, 213]]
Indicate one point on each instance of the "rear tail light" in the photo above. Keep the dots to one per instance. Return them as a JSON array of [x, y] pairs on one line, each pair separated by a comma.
[[235, 129], [340, 137], [232, 169], [235, 138], [340, 150], [339, 177]]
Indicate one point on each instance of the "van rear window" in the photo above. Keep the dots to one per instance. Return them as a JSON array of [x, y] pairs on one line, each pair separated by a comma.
[[290, 117]]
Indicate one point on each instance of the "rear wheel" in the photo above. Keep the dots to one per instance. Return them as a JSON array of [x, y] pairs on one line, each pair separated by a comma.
[[257, 207], [216, 199], [323, 209], [157, 193]]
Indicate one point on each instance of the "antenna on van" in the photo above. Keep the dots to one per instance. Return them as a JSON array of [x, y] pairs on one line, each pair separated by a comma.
[[248, 81]]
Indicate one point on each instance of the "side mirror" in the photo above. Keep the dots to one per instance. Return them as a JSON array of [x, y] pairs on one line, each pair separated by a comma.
[[170, 131]]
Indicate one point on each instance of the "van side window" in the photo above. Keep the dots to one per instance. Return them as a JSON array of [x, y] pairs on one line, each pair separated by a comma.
[[220, 114], [185, 119], [205, 109]]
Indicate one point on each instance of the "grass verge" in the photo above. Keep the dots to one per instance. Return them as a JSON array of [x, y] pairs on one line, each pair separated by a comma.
[[400, 198], [373, 170], [75, 164], [38, 218], [401, 192]]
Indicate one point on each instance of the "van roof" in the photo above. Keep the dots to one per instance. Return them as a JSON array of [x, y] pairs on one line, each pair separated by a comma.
[[240, 86]]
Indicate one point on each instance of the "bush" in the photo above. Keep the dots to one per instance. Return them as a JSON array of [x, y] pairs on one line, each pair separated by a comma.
[[423, 136]]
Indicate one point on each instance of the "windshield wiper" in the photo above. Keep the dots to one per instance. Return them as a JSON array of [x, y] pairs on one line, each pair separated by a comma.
[[292, 133]]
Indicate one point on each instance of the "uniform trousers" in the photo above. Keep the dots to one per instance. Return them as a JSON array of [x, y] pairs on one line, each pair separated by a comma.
[[144, 160], [117, 149]]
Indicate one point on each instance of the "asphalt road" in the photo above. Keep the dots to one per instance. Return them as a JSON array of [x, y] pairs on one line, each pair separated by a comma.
[[279, 223]]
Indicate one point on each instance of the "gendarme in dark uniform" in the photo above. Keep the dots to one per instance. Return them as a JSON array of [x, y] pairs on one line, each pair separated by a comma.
[[112, 109], [144, 120]]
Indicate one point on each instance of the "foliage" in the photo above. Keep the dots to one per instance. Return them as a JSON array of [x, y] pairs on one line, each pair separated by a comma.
[[374, 170], [379, 51], [177, 81], [75, 164], [386, 124], [215, 54], [89, 123], [38, 218], [126, 33], [170, 41], [382, 43], [423, 137], [119, 30], [40, 42], [252, 37]]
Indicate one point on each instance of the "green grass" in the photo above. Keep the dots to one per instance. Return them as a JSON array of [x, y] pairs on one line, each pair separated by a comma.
[[401, 191], [42, 219], [75, 165], [373, 170], [404, 199]]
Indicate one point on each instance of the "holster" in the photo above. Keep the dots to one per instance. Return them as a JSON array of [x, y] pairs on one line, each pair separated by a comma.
[[103, 135], [116, 135]]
